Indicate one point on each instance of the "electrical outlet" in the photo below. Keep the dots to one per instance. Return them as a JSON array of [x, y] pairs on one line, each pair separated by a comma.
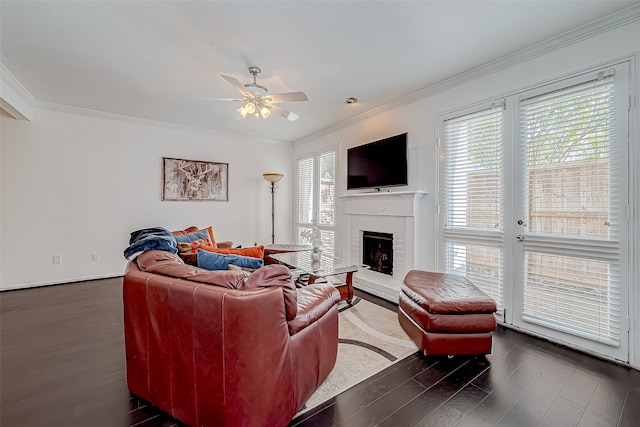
[[57, 259], [95, 256]]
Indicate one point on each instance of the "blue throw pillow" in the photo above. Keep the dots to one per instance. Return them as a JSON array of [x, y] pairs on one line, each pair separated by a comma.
[[192, 237], [215, 261]]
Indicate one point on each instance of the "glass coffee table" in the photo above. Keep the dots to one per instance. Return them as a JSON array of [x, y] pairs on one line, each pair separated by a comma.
[[325, 267]]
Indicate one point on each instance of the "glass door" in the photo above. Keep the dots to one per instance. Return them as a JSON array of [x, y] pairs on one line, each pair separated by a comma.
[[570, 224], [535, 208]]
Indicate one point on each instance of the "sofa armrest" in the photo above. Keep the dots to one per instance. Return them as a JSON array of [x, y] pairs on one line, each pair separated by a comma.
[[314, 301], [279, 276]]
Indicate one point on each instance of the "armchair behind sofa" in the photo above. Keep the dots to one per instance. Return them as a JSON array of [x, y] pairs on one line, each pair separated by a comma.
[[217, 356]]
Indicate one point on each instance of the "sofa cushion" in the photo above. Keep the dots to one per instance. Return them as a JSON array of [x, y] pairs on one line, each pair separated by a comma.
[[187, 230], [196, 235], [168, 264], [276, 275], [193, 229], [192, 247], [215, 261], [446, 293], [251, 251], [313, 302]]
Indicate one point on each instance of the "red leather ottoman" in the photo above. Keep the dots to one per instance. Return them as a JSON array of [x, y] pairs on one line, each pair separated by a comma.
[[446, 314]]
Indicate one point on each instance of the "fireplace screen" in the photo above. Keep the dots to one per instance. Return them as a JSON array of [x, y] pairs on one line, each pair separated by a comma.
[[377, 251]]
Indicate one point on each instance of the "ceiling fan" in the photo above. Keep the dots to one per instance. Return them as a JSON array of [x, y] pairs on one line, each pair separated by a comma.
[[258, 102]]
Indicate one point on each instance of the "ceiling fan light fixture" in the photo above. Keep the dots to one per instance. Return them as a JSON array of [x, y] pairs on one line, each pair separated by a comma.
[[250, 107], [257, 103], [265, 112]]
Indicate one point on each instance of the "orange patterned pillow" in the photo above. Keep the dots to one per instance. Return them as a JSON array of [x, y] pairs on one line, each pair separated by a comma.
[[192, 247], [213, 240], [252, 251]]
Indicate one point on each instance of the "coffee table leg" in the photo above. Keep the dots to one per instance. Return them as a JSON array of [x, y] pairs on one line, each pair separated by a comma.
[[348, 283], [349, 287]]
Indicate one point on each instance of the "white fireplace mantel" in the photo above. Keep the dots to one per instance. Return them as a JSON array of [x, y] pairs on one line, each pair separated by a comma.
[[396, 213], [401, 203]]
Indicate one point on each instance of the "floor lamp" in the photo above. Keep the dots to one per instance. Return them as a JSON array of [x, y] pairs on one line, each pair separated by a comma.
[[272, 178]]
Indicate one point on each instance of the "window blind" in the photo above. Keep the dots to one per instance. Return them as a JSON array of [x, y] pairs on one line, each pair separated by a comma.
[[316, 197], [572, 279], [481, 264], [327, 188], [305, 190], [473, 198], [473, 171], [567, 137]]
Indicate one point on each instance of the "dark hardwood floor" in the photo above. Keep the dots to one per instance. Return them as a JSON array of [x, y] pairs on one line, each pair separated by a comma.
[[62, 364]]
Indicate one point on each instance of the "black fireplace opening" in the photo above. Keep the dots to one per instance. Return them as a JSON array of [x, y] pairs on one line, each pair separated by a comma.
[[377, 251]]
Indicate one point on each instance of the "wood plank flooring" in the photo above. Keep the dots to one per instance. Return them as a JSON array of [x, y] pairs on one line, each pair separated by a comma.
[[62, 364]]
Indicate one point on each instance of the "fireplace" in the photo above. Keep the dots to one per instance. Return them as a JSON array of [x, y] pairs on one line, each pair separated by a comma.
[[392, 214], [377, 251]]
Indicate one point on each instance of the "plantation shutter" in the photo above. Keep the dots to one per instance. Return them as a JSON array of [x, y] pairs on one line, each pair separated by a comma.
[[572, 249], [473, 197]]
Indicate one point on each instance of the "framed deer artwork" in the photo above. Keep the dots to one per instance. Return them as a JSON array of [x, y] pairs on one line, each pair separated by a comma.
[[194, 180]]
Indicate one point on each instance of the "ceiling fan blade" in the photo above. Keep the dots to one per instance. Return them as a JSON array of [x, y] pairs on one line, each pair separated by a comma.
[[284, 113], [205, 98], [286, 97], [236, 84]]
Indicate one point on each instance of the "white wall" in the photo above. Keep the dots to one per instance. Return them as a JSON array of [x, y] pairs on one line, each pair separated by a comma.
[[75, 184], [420, 120]]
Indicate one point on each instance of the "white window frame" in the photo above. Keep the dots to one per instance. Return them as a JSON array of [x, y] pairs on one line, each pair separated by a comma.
[[328, 247]]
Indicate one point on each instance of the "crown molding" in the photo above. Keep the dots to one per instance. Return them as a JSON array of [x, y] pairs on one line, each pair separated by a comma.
[[141, 121], [602, 25], [15, 99], [18, 101]]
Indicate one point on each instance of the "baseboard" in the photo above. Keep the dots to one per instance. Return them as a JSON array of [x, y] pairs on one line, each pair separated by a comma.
[[57, 282]]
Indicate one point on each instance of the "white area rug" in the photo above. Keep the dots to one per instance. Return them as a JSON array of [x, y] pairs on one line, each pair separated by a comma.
[[371, 340]]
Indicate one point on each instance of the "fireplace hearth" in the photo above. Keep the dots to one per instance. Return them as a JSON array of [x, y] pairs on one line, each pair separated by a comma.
[[377, 251]]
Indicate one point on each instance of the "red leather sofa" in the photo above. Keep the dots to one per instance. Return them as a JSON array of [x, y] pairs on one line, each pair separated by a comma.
[[225, 348]]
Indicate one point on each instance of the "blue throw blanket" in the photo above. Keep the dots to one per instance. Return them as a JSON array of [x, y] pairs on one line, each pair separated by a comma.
[[214, 261], [155, 238]]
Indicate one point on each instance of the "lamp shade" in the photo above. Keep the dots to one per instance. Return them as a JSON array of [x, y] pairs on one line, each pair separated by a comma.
[[265, 112], [272, 177], [250, 107]]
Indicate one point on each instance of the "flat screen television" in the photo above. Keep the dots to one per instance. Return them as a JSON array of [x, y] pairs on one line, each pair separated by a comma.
[[378, 164]]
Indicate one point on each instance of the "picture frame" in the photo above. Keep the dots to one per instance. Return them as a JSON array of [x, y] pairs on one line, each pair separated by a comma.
[[194, 180]]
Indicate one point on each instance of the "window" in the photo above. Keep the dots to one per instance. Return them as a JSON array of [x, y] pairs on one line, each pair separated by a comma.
[[316, 197], [473, 198]]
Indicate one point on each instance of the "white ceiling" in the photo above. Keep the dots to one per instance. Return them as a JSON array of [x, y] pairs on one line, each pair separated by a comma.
[[152, 59]]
